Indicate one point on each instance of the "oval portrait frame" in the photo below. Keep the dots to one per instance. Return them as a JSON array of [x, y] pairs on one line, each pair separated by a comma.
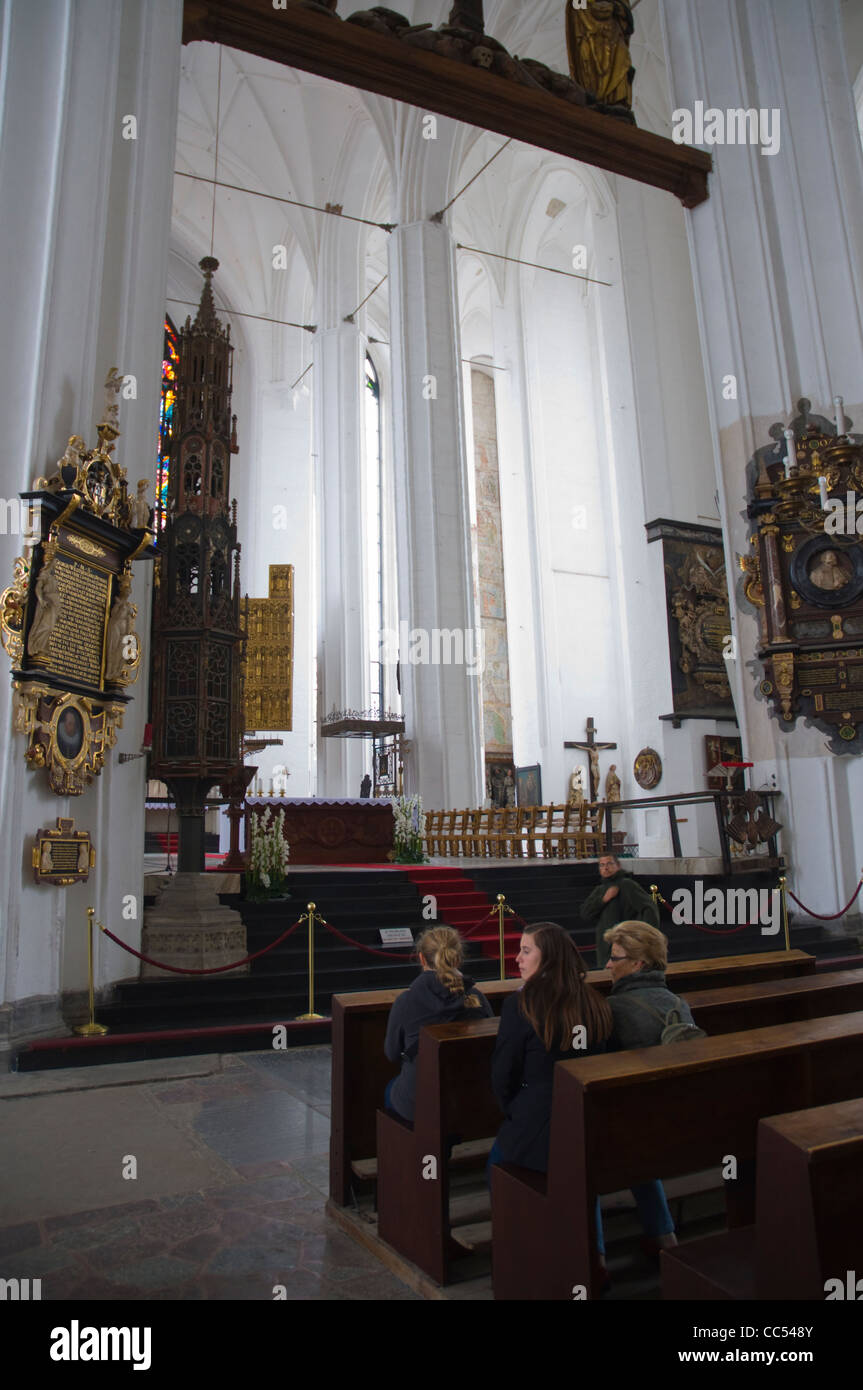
[[59, 745]]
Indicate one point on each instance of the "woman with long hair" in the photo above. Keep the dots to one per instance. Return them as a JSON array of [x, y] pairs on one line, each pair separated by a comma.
[[439, 994], [556, 1016]]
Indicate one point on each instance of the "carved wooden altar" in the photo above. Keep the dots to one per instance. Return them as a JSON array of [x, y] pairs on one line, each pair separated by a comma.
[[331, 832]]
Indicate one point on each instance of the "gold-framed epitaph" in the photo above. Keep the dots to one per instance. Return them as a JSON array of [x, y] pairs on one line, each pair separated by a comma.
[[63, 855]]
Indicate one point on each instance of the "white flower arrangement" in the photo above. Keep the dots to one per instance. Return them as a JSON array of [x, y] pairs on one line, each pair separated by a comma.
[[269, 857], [409, 828]]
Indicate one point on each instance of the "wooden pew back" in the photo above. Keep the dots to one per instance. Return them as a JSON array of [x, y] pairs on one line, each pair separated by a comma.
[[810, 1164], [630, 1117], [454, 1104], [361, 1071]]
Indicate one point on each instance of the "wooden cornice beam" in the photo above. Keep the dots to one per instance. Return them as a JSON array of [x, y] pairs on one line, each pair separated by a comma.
[[359, 57]]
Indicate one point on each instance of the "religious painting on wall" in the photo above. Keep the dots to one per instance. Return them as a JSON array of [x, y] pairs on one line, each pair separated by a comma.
[[699, 622], [528, 783], [721, 749], [647, 769]]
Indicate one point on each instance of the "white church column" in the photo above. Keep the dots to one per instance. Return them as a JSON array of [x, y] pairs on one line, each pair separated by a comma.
[[343, 655], [779, 282], [84, 225], [439, 684]]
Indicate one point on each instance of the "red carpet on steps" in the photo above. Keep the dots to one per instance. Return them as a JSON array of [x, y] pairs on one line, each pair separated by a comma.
[[461, 905]]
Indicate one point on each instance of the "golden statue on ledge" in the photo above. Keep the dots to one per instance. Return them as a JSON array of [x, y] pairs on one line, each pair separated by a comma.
[[597, 42]]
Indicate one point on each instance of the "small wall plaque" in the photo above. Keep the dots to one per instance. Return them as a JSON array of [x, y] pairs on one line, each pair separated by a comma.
[[64, 855]]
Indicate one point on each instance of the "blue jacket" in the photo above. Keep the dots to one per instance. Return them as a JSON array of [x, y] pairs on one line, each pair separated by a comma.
[[426, 1001]]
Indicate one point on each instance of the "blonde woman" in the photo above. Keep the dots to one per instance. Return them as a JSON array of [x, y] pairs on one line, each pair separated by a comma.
[[640, 1001], [439, 994]]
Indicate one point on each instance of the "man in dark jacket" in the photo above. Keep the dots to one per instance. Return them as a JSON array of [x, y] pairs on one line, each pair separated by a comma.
[[617, 899]]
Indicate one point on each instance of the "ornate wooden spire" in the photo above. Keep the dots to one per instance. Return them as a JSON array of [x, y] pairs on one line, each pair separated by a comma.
[[197, 703]]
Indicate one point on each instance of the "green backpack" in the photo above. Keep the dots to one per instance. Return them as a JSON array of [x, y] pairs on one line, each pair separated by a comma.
[[674, 1030]]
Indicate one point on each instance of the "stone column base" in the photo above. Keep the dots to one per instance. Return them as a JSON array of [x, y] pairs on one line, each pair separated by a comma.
[[189, 927]]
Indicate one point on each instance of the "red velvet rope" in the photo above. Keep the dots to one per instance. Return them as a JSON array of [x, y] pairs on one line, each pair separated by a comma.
[[372, 950], [711, 931], [827, 916], [214, 970]]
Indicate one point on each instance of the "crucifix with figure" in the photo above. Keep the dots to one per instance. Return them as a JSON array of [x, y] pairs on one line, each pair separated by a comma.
[[591, 747]]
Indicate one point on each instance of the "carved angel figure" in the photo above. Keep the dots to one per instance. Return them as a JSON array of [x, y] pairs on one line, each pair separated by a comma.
[[119, 627], [47, 612], [140, 506]]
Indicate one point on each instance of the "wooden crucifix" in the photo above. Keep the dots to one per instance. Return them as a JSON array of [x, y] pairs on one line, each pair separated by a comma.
[[591, 748]]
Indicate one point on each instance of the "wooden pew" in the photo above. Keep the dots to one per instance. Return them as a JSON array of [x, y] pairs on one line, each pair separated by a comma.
[[361, 1071], [360, 1075], [808, 1216], [769, 1002], [454, 1098], [628, 1117]]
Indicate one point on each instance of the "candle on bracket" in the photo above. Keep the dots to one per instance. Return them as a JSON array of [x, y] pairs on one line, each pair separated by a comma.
[[822, 488], [839, 408], [790, 452]]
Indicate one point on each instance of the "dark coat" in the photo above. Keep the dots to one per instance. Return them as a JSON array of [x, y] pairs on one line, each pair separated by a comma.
[[632, 904], [634, 1026], [426, 1001], [522, 1073]]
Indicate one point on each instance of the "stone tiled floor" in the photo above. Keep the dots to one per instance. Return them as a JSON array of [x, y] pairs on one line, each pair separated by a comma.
[[228, 1201]]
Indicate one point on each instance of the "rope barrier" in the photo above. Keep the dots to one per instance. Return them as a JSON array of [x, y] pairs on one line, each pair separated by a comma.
[[711, 931], [827, 916], [213, 970], [372, 950], [481, 923]]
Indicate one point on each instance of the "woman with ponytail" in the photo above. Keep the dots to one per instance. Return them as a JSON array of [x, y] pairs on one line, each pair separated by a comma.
[[440, 994], [556, 1016]]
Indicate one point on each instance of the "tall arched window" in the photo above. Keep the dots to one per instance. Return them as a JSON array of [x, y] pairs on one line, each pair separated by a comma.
[[170, 365], [374, 533]]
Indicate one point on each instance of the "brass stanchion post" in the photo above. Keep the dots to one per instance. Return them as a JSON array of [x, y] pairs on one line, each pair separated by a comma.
[[784, 911], [501, 909], [654, 893], [91, 1029], [312, 916]]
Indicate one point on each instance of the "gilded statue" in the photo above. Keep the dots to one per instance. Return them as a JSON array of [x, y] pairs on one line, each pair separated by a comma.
[[612, 784], [597, 41], [47, 612]]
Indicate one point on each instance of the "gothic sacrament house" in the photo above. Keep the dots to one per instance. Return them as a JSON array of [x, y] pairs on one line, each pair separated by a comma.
[[197, 704]]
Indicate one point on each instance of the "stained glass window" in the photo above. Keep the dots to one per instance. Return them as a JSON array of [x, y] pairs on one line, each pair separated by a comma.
[[170, 366]]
